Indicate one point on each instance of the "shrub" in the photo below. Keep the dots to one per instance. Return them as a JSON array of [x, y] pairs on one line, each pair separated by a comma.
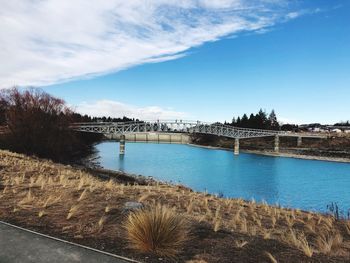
[[158, 230]]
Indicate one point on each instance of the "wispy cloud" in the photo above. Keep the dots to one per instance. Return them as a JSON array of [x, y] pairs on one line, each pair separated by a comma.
[[47, 41], [118, 109]]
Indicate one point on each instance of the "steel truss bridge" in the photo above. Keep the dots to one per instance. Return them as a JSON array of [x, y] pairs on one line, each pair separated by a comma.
[[189, 127], [182, 127]]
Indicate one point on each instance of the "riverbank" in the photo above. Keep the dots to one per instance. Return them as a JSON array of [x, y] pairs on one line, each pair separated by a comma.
[[281, 154], [87, 206], [299, 156], [334, 149]]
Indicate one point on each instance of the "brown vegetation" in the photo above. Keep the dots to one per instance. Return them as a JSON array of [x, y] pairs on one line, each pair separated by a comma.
[[38, 123], [75, 205]]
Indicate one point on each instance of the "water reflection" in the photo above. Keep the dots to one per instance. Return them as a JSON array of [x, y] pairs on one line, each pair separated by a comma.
[[121, 163]]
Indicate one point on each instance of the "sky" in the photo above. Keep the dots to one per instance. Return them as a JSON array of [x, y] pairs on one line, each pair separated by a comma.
[[207, 60]]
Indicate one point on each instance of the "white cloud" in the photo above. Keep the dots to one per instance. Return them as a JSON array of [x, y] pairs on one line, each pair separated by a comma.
[[47, 41], [293, 15], [118, 109]]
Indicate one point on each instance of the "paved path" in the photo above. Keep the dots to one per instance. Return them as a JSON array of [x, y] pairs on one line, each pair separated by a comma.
[[21, 246]]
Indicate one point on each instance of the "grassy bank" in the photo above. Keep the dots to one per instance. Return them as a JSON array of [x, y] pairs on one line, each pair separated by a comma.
[[87, 207]]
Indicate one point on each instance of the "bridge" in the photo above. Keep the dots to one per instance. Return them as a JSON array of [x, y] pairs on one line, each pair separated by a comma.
[[188, 127]]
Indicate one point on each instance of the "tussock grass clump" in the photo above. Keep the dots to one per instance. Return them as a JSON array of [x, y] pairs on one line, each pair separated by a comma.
[[157, 230], [299, 241], [329, 243]]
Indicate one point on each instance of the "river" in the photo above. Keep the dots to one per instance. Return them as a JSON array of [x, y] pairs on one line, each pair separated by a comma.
[[289, 182]]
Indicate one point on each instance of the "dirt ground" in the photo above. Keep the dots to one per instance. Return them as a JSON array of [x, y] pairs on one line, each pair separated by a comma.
[[87, 207]]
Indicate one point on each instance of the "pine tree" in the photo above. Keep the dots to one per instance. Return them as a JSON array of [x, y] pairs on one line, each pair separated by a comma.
[[245, 121], [233, 121], [238, 122], [272, 121], [261, 119]]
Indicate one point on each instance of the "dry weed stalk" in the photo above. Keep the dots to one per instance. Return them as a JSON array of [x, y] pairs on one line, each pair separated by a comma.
[[347, 227], [102, 221], [82, 195], [51, 201], [244, 225], [240, 243], [267, 234], [28, 198], [272, 258], [73, 210], [289, 220], [217, 224], [41, 213]]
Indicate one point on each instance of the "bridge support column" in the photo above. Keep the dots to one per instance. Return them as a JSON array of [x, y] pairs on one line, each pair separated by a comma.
[[299, 141], [122, 145], [277, 144], [236, 147]]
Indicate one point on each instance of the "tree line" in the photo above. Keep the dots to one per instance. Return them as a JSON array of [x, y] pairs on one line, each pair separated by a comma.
[[77, 117], [260, 120], [345, 123]]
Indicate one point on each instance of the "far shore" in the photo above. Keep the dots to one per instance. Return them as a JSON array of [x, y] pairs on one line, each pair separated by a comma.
[[280, 154]]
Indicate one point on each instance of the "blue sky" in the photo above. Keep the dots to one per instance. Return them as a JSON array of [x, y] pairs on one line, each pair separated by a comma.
[[297, 63]]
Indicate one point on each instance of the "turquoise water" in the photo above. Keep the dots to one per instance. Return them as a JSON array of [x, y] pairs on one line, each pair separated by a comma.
[[304, 184]]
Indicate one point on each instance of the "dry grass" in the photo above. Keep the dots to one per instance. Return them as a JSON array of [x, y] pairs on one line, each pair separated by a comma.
[[299, 241], [329, 243], [158, 230], [347, 227]]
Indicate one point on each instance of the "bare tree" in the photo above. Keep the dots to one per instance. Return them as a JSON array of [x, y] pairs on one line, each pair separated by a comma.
[[38, 124]]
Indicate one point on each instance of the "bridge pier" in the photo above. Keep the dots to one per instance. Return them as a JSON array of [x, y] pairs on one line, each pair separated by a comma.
[[236, 146], [122, 145], [299, 141], [277, 144]]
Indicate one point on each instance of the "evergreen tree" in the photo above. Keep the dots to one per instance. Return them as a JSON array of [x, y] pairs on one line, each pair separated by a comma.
[[238, 122], [272, 121], [233, 121], [245, 121], [261, 119], [252, 121]]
